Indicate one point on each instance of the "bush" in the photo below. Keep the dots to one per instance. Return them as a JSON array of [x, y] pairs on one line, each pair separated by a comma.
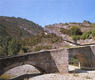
[[2, 51], [93, 33], [74, 61], [38, 48], [55, 39], [86, 35], [32, 40], [23, 49], [76, 37], [64, 31], [75, 31]]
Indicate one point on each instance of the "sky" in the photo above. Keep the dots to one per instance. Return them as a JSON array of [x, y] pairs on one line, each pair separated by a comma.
[[45, 12]]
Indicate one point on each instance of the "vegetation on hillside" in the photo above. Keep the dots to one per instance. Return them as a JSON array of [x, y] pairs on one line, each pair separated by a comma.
[[3, 32], [76, 33], [18, 27], [18, 36], [12, 31], [41, 41], [11, 46]]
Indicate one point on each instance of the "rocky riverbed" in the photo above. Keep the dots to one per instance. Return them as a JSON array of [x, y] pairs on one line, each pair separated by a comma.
[[27, 72]]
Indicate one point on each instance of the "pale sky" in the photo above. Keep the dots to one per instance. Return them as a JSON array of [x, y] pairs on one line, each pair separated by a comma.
[[45, 12]]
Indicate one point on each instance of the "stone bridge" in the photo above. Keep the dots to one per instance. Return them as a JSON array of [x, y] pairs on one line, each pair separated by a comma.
[[51, 61], [45, 61]]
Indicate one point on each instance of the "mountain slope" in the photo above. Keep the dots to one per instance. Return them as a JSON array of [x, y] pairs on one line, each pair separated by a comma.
[[68, 31], [3, 32], [18, 27]]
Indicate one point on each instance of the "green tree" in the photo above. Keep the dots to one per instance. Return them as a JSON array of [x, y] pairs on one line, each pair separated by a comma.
[[2, 51], [4, 42], [13, 47]]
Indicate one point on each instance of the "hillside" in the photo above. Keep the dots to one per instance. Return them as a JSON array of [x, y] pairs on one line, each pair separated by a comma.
[[18, 36], [18, 27], [31, 37], [3, 31], [84, 26], [74, 32]]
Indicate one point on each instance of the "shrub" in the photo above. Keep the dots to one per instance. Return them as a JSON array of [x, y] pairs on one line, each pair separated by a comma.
[[75, 31], [38, 48], [64, 31], [86, 35], [32, 40], [23, 49], [93, 33], [66, 23], [55, 39], [74, 61], [2, 51], [76, 37]]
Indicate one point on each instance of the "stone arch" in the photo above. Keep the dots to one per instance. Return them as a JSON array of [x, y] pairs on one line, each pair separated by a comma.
[[20, 64], [85, 55]]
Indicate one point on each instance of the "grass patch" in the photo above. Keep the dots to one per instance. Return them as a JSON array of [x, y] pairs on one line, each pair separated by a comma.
[[5, 77]]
